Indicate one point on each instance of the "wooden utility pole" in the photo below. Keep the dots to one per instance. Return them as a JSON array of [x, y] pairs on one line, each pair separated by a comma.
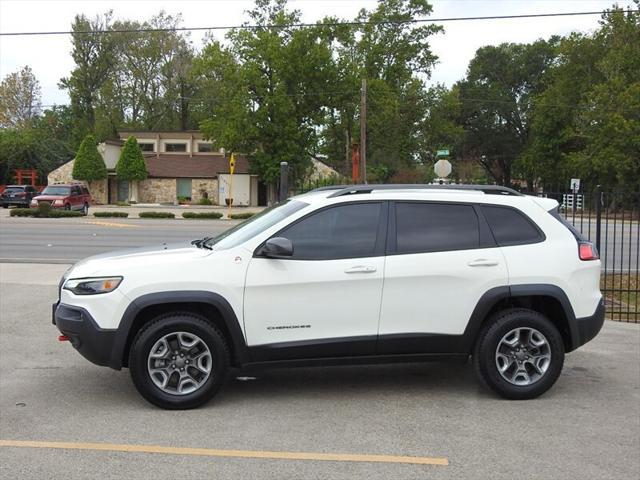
[[363, 130]]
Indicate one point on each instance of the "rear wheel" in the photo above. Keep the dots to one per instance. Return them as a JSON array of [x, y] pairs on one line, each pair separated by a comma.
[[519, 354], [178, 361]]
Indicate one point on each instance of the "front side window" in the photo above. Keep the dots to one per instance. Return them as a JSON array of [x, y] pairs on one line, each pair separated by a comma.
[[345, 231], [510, 227], [433, 227]]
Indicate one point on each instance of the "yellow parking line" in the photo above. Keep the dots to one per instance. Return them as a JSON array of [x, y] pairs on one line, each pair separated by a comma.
[[113, 224], [208, 452]]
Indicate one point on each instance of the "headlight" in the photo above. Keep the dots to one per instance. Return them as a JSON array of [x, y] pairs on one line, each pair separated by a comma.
[[34, 202], [58, 202], [92, 286]]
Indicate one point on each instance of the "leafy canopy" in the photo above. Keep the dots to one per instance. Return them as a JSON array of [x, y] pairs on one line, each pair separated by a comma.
[[89, 164], [131, 165]]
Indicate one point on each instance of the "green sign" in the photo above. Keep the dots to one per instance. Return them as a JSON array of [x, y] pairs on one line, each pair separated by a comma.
[[442, 153]]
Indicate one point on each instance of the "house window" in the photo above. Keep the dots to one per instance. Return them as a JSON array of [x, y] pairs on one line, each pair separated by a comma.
[[175, 147], [147, 147], [205, 147]]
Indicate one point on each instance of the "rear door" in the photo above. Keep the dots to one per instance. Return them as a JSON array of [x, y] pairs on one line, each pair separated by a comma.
[[441, 259]]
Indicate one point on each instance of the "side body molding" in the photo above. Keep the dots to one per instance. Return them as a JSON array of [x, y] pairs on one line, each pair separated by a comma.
[[228, 316]]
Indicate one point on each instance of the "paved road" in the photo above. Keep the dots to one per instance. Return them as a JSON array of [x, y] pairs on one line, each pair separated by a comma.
[[586, 427], [69, 240], [73, 239]]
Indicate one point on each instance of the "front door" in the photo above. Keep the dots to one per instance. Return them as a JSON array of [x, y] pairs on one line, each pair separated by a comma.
[[123, 190], [324, 300], [442, 259]]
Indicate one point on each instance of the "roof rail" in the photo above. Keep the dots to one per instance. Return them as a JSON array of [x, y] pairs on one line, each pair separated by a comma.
[[356, 189]]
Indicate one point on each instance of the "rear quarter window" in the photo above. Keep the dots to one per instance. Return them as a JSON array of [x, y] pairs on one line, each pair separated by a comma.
[[510, 226]]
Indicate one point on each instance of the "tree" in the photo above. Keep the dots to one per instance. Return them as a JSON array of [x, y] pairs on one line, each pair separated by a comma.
[[497, 99], [131, 166], [93, 54], [20, 99], [89, 164]]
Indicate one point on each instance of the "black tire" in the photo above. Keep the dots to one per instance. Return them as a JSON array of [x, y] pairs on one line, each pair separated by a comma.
[[484, 353], [5, 206], [85, 209], [67, 207], [178, 322]]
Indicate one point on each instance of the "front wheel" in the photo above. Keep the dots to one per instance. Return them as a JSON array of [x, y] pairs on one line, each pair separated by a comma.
[[519, 354], [85, 209], [178, 361]]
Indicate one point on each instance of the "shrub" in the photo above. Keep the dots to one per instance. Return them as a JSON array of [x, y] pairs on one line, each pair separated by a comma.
[[43, 209], [111, 214], [62, 214], [157, 215], [23, 212], [89, 164], [131, 164], [44, 213], [120, 203], [241, 216], [212, 215], [205, 201]]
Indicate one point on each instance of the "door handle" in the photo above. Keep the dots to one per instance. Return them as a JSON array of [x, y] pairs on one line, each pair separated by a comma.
[[360, 269], [482, 262]]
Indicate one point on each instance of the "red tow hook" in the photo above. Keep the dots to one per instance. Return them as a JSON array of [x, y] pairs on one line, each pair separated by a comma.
[[63, 338]]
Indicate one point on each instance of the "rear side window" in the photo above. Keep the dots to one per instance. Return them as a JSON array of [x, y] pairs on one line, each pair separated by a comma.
[[345, 231], [511, 227], [432, 227]]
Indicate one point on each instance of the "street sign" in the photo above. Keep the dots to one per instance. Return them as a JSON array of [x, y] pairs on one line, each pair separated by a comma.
[[575, 185], [442, 153], [442, 168]]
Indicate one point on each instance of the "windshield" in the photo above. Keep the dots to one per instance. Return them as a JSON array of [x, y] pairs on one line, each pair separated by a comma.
[[255, 225], [56, 191]]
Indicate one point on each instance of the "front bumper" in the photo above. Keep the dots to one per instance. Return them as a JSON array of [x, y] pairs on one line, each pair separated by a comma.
[[94, 343], [14, 201], [588, 327]]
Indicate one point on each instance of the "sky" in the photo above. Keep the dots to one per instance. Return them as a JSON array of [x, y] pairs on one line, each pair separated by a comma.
[[50, 59]]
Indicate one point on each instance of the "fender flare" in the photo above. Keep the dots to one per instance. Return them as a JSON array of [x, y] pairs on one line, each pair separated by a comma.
[[496, 294], [228, 316]]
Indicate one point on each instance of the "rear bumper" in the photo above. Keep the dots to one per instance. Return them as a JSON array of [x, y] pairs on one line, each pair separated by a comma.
[[14, 201], [588, 327], [92, 342]]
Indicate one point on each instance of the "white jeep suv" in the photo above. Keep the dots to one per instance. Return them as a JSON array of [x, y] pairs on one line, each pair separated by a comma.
[[368, 273]]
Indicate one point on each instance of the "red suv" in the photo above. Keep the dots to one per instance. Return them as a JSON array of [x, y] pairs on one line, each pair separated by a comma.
[[67, 196]]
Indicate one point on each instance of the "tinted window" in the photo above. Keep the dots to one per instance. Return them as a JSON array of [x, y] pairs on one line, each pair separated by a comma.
[[175, 147], [346, 231], [510, 227], [147, 147], [431, 227]]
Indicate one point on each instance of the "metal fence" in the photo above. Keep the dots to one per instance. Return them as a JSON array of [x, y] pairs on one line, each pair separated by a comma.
[[608, 218]]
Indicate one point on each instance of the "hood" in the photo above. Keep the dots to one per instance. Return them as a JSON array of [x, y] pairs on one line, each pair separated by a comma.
[[119, 261], [50, 197]]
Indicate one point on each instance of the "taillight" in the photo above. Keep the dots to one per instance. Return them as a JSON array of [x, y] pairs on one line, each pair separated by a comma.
[[587, 251]]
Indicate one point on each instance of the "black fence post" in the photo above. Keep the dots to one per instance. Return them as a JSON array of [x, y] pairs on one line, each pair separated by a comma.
[[284, 181], [598, 216]]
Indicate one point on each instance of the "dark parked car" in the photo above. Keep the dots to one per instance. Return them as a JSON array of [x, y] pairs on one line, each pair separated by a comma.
[[18, 195], [65, 196]]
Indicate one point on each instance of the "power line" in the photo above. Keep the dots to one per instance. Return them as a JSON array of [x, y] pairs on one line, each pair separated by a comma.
[[304, 25]]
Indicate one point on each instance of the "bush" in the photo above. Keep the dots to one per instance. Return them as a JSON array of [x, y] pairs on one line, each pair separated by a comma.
[[89, 164], [131, 164], [23, 212], [111, 214], [43, 209], [43, 213], [157, 215], [213, 215], [241, 216], [120, 203], [205, 201]]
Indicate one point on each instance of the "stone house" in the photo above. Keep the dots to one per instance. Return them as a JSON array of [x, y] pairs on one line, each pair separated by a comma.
[[182, 166]]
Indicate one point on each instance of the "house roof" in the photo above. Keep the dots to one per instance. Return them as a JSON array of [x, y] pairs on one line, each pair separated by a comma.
[[197, 166]]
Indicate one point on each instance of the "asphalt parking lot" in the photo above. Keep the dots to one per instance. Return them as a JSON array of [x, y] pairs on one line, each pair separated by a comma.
[[587, 426]]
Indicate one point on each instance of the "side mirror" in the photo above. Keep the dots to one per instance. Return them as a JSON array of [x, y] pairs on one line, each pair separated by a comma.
[[277, 247]]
